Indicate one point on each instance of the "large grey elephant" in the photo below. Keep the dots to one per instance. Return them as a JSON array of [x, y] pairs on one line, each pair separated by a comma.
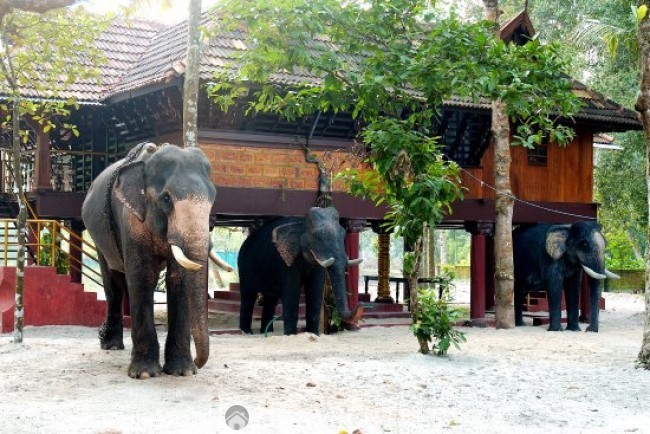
[[147, 212], [287, 253], [553, 257]]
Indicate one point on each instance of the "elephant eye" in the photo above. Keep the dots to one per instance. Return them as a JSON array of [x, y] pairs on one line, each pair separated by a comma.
[[166, 198]]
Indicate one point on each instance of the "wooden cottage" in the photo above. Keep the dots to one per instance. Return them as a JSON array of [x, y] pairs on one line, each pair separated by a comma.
[[259, 162]]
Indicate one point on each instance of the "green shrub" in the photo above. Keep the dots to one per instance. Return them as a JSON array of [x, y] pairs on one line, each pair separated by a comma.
[[61, 259], [434, 320]]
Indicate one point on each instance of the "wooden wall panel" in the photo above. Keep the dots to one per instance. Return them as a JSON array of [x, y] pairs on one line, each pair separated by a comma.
[[567, 176]]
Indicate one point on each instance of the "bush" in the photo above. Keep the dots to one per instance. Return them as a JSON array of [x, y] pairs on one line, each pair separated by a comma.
[[61, 259], [434, 320]]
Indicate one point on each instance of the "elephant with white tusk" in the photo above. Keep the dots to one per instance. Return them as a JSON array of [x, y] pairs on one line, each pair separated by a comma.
[[287, 253], [147, 212], [552, 258]]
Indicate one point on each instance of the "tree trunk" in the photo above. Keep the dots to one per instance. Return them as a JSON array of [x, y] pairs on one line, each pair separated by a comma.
[[413, 287], [643, 107], [444, 249], [432, 252], [21, 225], [191, 85], [504, 266]]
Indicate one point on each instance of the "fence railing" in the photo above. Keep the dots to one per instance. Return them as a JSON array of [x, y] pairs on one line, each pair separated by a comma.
[[51, 243]]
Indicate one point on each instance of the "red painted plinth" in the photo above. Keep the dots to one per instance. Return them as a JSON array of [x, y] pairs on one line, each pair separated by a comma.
[[49, 299]]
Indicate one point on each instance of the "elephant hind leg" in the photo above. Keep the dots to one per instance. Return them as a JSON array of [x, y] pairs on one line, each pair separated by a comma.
[[246, 307], [111, 336]]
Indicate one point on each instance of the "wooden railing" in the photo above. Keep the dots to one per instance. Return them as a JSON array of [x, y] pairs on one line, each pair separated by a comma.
[[47, 240]]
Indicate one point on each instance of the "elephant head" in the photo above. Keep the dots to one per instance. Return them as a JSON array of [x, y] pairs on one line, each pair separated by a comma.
[[582, 246], [320, 240], [170, 192]]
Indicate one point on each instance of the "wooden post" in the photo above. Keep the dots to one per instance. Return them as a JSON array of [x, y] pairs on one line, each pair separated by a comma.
[[478, 270], [383, 266], [489, 272], [76, 256], [353, 227], [43, 162]]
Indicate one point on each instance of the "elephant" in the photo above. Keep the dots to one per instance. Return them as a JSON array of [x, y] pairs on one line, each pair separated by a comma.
[[552, 257], [287, 253], [147, 212]]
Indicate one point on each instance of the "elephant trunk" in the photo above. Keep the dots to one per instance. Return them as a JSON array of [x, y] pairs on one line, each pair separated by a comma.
[[190, 231], [339, 290], [197, 302]]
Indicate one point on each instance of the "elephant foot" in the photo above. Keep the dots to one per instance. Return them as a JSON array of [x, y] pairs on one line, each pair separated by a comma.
[[519, 323], [573, 328], [554, 328], [143, 369], [111, 336], [180, 367], [246, 332], [592, 329]]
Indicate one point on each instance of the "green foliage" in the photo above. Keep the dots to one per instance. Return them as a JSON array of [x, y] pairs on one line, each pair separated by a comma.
[[391, 64], [435, 319], [622, 255], [44, 53], [61, 258]]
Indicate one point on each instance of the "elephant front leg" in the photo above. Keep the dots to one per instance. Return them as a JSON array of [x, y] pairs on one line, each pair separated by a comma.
[[111, 334], [572, 301], [314, 301], [178, 355], [291, 304], [145, 355], [555, 306]]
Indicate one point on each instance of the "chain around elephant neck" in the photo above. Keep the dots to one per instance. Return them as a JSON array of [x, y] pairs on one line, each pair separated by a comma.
[[108, 209]]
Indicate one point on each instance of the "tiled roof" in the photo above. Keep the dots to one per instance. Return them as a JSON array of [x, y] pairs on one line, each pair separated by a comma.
[[141, 54], [123, 44]]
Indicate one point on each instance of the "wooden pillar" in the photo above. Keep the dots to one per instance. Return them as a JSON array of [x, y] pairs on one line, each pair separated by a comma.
[[76, 256], [478, 270], [353, 228], [489, 272], [42, 161], [383, 264]]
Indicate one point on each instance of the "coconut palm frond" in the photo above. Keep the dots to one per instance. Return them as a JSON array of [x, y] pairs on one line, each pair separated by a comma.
[[134, 6], [592, 33]]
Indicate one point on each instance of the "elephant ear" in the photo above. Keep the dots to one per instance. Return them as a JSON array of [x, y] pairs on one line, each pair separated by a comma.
[[556, 241], [129, 188], [287, 241]]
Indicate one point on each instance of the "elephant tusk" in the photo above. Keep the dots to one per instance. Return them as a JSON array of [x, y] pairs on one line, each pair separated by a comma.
[[354, 262], [326, 263], [219, 262], [593, 274], [611, 275], [183, 260]]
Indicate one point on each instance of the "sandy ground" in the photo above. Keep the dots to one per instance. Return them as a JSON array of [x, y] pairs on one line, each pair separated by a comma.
[[374, 381]]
